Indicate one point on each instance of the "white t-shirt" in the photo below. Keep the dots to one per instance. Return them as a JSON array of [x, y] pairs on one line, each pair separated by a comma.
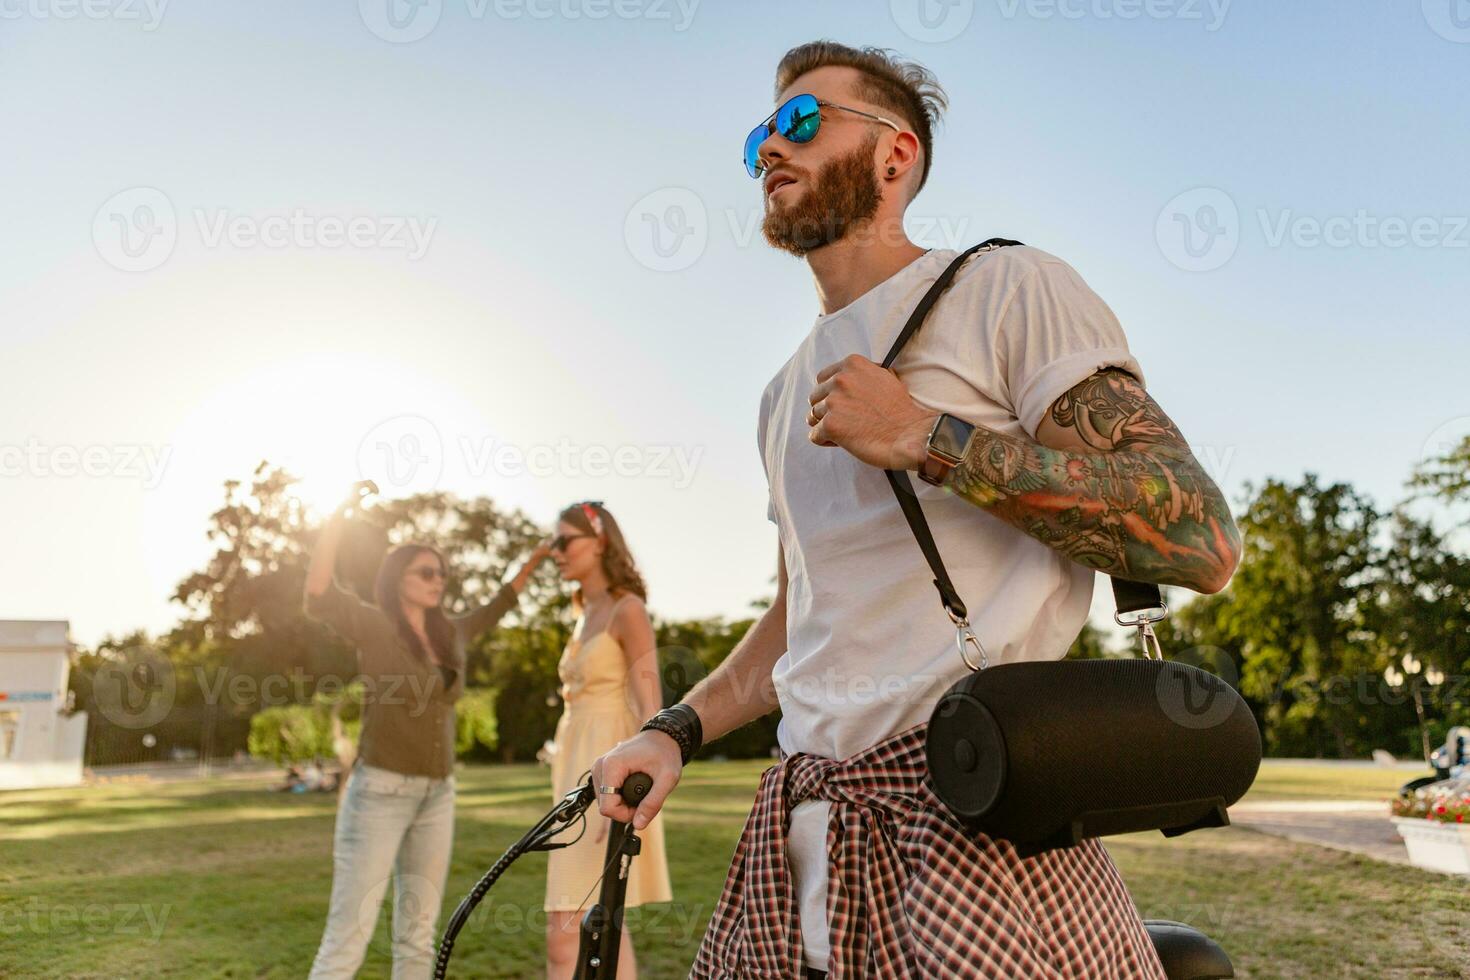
[[869, 647]]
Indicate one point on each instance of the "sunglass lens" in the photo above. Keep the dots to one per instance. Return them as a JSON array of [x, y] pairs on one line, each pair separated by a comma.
[[753, 143], [799, 119]]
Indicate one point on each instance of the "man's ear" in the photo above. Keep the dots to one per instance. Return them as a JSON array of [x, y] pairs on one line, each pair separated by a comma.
[[904, 155]]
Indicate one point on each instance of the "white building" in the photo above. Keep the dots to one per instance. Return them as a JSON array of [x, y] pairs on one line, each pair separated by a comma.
[[39, 744]]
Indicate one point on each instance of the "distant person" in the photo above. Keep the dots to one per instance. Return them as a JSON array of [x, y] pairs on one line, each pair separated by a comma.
[[610, 686], [396, 816]]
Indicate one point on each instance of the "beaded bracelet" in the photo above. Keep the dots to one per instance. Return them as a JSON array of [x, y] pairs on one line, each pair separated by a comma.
[[682, 724]]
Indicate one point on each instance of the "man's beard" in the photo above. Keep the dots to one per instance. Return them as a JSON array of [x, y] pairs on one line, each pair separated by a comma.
[[844, 193]]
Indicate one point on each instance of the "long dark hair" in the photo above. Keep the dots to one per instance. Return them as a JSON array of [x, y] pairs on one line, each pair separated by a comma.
[[385, 594], [617, 561]]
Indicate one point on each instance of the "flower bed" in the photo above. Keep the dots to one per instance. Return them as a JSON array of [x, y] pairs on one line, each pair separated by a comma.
[[1433, 824]]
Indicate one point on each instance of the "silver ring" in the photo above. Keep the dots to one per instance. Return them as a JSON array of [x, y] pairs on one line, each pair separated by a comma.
[[607, 790]]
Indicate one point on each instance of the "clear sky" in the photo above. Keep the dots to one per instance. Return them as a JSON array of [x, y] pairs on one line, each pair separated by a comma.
[[506, 247]]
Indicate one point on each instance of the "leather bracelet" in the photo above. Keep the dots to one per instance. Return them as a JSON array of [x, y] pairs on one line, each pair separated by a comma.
[[682, 724]]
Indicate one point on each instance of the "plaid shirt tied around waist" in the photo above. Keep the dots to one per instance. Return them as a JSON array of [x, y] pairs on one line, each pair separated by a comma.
[[911, 894]]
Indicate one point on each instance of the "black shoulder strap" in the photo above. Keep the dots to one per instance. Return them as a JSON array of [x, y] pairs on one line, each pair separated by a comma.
[[1130, 596]]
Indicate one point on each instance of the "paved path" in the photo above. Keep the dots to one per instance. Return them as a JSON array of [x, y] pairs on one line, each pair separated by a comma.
[[1359, 826]]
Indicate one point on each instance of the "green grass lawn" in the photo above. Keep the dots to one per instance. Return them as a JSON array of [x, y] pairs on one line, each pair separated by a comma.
[[1284, 781], [221, 878]]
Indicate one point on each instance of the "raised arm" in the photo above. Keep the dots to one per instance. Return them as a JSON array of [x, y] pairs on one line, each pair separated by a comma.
[[323, 599], [487, 615], [324, 556]]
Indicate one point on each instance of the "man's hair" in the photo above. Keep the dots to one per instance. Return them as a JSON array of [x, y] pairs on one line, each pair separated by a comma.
[[905, 88]]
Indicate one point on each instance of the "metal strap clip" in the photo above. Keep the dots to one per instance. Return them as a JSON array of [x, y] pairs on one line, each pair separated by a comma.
[[964, 637], [1143, 620]]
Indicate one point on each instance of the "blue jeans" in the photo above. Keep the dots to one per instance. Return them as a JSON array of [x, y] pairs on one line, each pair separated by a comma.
[[388, 824]]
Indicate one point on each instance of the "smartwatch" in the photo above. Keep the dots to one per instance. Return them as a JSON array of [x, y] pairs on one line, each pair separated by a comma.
[[945, 448]]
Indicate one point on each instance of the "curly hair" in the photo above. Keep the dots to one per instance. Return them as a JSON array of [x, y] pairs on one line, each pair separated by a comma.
[[886, 79], [617, 561]]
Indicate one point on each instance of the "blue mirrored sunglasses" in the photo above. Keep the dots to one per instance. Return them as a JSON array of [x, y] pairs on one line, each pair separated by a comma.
[[797, 120]]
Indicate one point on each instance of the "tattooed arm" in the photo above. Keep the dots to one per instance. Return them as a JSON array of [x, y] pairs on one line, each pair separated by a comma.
[[1109, 483]]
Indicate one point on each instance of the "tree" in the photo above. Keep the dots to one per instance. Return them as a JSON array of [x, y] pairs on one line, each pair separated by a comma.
[[1295, 612]]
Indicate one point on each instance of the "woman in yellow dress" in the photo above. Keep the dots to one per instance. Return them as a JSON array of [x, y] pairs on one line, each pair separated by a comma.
[[610, 687]]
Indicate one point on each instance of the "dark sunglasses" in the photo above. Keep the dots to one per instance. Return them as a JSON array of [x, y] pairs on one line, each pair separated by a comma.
[[559, 543], [428, 574], [797, 120]]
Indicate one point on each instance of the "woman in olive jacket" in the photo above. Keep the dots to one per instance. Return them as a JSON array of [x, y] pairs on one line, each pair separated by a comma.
[[396, 817]]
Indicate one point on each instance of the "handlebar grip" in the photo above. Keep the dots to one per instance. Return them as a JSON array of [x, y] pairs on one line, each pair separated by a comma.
[[635, 788]]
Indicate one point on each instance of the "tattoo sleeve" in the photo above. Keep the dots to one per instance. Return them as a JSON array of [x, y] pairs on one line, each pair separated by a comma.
[[1131, 500]]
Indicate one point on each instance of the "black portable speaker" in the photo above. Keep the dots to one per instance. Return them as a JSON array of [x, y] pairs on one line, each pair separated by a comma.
[[1045, 754]]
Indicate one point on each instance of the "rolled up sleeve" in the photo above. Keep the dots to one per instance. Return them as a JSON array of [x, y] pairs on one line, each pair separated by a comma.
[[1057, 332]]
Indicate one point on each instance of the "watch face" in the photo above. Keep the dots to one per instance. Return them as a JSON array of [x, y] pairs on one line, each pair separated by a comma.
[[950, 437]]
